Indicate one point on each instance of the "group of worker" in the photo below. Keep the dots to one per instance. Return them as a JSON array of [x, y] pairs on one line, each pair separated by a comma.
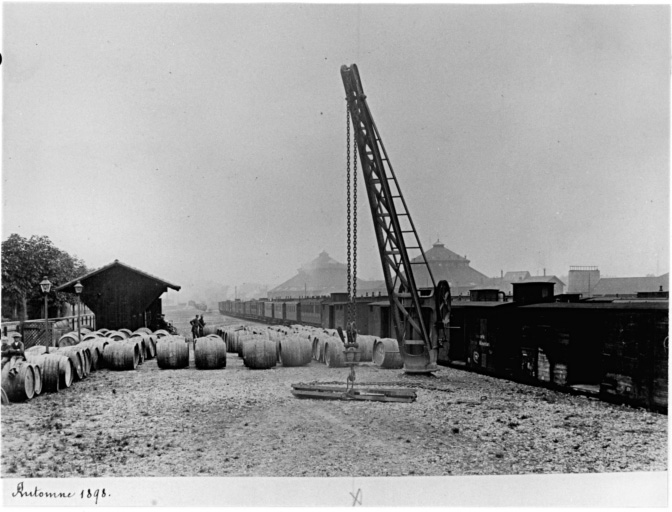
[[197, 325]]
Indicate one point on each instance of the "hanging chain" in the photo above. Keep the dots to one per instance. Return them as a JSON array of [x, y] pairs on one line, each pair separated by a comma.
[[348, 200], [354, 238]]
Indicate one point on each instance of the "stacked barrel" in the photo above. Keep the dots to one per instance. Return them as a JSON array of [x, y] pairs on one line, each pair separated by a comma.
[[75, 356]]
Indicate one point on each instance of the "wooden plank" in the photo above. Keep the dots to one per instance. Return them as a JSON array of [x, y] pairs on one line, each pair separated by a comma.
[[384, 391], [343, 396]]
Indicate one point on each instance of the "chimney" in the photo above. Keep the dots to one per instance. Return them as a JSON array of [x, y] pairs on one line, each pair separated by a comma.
[[544, 272], [501, 272]]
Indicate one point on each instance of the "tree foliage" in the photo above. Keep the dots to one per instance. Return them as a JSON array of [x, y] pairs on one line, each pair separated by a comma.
[[25, 262]]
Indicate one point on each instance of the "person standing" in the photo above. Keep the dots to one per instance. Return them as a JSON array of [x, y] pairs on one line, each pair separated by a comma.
[[11, 353], [195, 324], [201, 325]]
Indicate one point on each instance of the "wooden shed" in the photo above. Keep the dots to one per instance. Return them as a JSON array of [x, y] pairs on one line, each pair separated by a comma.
[[121, 296]]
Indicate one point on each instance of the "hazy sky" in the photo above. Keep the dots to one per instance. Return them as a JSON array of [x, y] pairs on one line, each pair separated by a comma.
[[208, 141]]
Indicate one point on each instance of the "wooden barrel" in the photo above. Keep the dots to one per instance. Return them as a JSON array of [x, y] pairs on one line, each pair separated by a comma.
[[386, 354], [161, 333], [68, 340], [76, 358], [242, 338], [117, 335], [61, 325], [92, 336], [37, 373], [333, 352], [20, 386], [143, 330], [172, 352], [103, 332], [96, 348], [66, 372], [210, 353], [209, 329], [127, 332], [149, 344], [50, 369], [84, 330], [38, 349], [260, 354], [318, 347], [141, 348], [295, 351], [88, 359], [66, 367], [366, 344], [122, 356]]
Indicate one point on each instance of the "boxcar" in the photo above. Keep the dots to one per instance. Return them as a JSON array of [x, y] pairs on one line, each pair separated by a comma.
[[268, 311], [279, 312], [311, 312], [293, 312]]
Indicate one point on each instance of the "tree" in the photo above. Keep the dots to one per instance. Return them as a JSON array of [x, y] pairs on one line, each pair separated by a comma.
[[25, 262]]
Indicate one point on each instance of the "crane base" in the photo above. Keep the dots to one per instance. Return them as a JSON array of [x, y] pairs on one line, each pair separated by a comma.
[[341, 393]]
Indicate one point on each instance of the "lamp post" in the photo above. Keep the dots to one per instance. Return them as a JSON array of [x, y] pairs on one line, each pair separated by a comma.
[[46, 287], [78, 290]]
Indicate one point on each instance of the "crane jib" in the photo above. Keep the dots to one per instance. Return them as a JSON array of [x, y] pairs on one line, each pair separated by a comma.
[[393, 226]]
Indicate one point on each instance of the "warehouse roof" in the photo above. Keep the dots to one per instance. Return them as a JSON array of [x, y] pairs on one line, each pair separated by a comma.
[[69, 287], [631, 285]]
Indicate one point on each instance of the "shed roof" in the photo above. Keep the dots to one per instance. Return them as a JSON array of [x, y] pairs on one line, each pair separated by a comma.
[[69, 286], [630, 285]]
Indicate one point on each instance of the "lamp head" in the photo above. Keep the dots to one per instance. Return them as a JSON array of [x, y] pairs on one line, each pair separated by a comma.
[[78, 288], [45, 284]]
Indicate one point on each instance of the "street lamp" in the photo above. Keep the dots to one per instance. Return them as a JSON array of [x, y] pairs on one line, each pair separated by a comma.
[[78, 290], [46, 287]]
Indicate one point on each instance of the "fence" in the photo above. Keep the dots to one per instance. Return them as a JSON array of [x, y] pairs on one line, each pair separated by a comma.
[[33, 331]]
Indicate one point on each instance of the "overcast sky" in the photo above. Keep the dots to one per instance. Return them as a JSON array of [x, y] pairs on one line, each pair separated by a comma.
[[207, 142]]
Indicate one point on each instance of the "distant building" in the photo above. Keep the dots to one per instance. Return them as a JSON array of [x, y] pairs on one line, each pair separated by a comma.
[[583, 279], [506, 281], [322, 277], [449, 266], [588, 282], [622, 286]]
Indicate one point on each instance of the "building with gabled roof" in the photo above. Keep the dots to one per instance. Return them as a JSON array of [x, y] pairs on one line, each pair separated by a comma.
[[320, 278], [450, 266], [121, 296]]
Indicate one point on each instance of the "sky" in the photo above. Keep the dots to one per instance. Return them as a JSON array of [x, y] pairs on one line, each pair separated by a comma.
[[208, 142]]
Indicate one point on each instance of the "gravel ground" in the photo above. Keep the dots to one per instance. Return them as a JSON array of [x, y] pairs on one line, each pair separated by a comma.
[[241, 422]]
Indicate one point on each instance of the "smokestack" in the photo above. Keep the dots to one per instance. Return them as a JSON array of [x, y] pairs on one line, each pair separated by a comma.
[[501, 272], [544, 272]]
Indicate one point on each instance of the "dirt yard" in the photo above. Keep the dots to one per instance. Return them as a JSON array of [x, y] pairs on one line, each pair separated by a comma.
[[241, 422]]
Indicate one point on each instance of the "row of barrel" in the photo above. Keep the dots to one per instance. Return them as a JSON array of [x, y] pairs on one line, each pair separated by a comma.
[[209, 352], [50, 369], [297, 345], [171, 351]]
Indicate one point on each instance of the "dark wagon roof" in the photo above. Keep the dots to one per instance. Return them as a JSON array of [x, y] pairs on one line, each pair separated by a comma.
[[69, 287]]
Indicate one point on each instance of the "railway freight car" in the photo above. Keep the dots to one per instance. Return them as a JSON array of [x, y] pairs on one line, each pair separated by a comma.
[[292, 312], [614, 349], [269, 306], [311, 311], [278, 312]]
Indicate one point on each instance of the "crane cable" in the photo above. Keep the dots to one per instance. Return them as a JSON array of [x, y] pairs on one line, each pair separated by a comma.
[[352, 226]]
